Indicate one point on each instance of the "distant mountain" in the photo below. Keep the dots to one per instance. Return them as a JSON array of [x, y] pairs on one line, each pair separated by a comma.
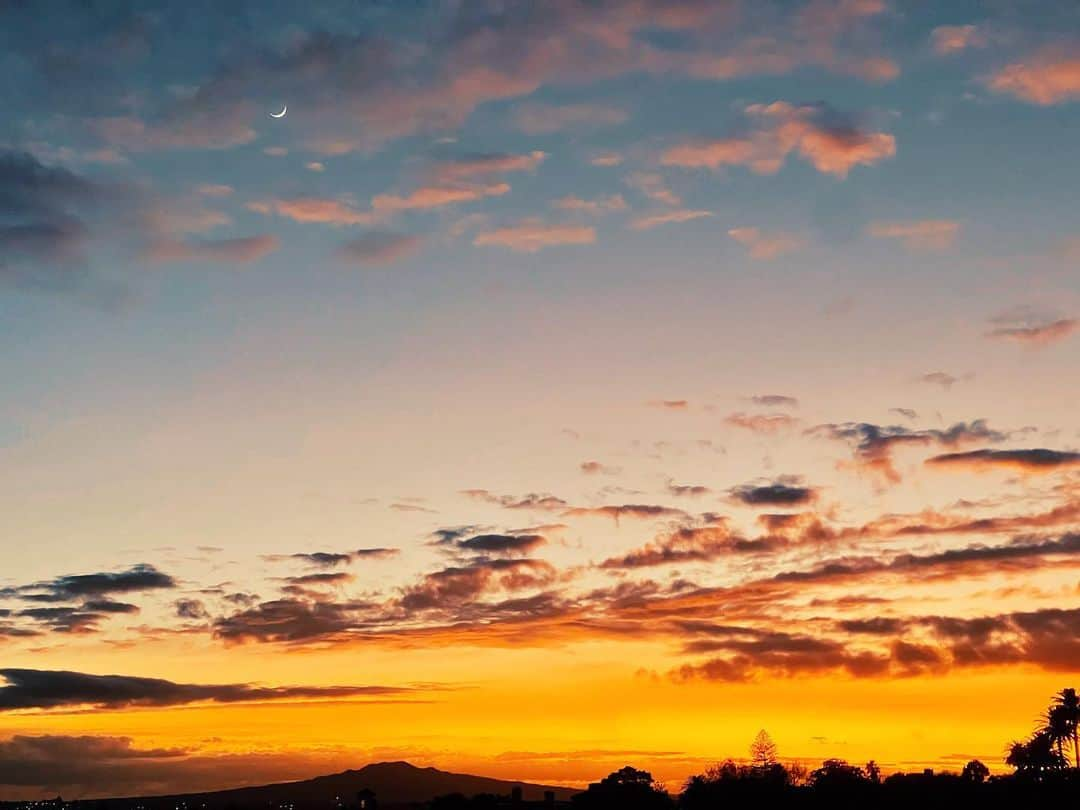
[[394, 783]]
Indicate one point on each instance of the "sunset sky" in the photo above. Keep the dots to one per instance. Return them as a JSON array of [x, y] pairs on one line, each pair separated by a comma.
[[557, 386]]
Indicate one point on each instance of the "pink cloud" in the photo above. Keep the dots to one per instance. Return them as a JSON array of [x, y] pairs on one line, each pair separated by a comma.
[[927, 234], [652, 185], [1051, 76], [486, 165], [1040, 334], [437, 197], [379, 248], [781, 129], [600, 205], [949, 39], [764, 246], [529, 236], [652, 221], [242, 250]]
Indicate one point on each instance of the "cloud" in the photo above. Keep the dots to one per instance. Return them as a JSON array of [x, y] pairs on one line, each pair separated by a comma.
[[690, 490], [599, 205], [142, 577], [671, 404], [242, 250], [544, 119], [1038, 460], [51, 216], [653, 186], [596, 468], [766, 246], [532, 235], [332, 559], [286, 621], [379, 247], [485, 165], [817, 134], [52, 689], [927, 234], [315, 209], [191, 609], [873, 445], [949, 39], [775, 401], [643, 511], [502, 543], [452, 587], [776, 494], [942, 378], [762, 423], [361, 91], [1050, 76], [214, 190], [1040, 334], [654, 220], [607, 159], [437, 196], [533, 500]]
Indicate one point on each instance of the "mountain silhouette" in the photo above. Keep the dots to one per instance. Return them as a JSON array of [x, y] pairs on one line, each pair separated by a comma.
[[394, 783]]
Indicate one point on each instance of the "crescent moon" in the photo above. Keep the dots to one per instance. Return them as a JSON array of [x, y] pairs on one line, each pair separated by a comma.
[[284, 109]]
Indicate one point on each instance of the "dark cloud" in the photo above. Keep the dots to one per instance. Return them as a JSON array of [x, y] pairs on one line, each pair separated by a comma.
[[381, 247], [51, 689], [1031, 460], [287, 620], [535, 501], [190, 609], [775, 401], [775, 494], [456, 585], [142, 577], [331, 559], [873, 445], [644, 511], [45, 227], [690, 490], [503, 543]]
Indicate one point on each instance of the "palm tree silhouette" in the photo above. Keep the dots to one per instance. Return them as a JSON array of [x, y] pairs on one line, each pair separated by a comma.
[[1066, 712]]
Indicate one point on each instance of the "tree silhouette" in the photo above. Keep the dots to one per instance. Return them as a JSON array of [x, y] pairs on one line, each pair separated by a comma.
[[763, 751], [1036, 757], [626, 788], [975, 771], [1066, 708], [873, 772]]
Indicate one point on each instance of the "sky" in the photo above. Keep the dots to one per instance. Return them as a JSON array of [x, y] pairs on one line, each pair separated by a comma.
[[555, 386]]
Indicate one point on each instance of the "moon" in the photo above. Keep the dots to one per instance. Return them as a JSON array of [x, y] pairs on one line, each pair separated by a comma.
[[284, 109]]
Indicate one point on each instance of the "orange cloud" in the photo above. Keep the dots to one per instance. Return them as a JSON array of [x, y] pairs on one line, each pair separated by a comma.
[[766, 246], [831, 147], [529, 236], [652, 185], [1049, 77], [762, 423], [927, 234], [314, 209]]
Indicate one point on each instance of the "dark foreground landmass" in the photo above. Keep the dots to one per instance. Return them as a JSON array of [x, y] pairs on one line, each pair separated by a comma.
[[836, 784]]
